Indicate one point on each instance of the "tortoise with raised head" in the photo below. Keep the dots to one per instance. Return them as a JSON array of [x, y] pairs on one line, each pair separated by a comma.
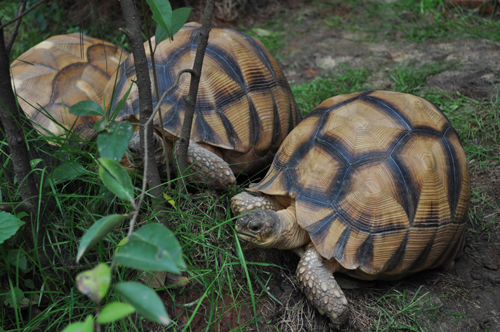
[[374, 184], [244, 108], [59, 72]]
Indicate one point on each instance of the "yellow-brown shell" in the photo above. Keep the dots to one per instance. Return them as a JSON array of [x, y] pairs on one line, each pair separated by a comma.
[[244, 107], [60, 72], [380, 182]]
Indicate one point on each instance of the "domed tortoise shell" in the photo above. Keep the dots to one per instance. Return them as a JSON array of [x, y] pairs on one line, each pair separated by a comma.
[[59, 72], [244, 108], [380, 182]]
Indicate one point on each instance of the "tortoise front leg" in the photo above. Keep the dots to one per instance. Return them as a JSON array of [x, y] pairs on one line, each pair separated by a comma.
[[208, 168], [318, 284], [245, 202]]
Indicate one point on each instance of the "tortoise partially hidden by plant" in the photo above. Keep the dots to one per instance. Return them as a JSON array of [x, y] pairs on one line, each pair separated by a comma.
[[374, 184], [244, 109], [59, 72]]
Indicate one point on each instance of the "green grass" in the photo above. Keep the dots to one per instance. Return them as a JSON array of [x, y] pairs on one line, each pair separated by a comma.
[[271, 34], [401, 309], [222, 282], [415, 21], [342, 81]]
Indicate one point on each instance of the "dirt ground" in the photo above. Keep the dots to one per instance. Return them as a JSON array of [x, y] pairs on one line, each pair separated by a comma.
[[469, 295]]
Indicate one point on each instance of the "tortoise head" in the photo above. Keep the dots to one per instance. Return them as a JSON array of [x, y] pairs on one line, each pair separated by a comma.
[[160, 150], [261, 227]]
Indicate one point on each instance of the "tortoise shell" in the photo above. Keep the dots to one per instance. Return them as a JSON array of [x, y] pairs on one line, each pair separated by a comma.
[[380, 182], [59, 72], [244, 108]]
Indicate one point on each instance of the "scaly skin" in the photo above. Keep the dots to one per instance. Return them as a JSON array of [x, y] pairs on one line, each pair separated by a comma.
[[245, 202], [205, 166], [318, 284], [208, 168], [272, 229]]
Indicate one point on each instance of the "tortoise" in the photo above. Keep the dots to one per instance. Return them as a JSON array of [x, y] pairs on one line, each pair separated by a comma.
[[373, 184], [244, 108], [59, 72]]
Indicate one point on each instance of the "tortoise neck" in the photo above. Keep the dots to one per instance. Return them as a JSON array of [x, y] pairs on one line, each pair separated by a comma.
[[291, 234]]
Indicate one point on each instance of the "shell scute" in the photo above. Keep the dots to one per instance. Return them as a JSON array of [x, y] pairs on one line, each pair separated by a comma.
[[362, 129], [59, 72]]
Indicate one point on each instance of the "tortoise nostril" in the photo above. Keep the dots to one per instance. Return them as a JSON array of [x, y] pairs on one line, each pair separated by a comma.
[[255, 226]]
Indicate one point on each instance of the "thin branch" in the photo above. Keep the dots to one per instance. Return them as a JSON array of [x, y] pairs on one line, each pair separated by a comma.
[[133, 33], [153, 66], [16, 27], [11, 120], [193, 87], [146, 126], [18, 17]]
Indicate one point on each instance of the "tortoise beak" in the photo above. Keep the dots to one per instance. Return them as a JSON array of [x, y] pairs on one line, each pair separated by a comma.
[[244, 230]]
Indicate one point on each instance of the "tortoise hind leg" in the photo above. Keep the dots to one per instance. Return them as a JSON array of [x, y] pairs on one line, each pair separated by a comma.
[[207, 168], [318, 284]]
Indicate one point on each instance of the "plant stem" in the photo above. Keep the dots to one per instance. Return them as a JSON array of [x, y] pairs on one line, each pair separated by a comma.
[[133, 33], [193, 90]]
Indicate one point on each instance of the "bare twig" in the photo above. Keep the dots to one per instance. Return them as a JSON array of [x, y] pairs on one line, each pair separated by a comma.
[[193, 88], [11, 121], [133, 33], [13, 126], [18, 17], [153, 66], [13, 35], [146, 126]]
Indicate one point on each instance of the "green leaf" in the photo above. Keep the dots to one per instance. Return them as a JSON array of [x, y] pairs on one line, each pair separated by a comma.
[[114, 311], [14, 296], [101, 125], [35, 162], [86, 108], [154, 248], [162, 14], [95, 283], [160, 35], [114, 142], [179, 18], [116, 179], [144, 300], [65, 172], [29, 283], [86, 326], [97, 231], [9, 224], [17, 258], [21, 214]]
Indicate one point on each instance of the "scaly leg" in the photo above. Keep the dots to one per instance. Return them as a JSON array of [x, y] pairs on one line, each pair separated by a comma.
[[318, 284]]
